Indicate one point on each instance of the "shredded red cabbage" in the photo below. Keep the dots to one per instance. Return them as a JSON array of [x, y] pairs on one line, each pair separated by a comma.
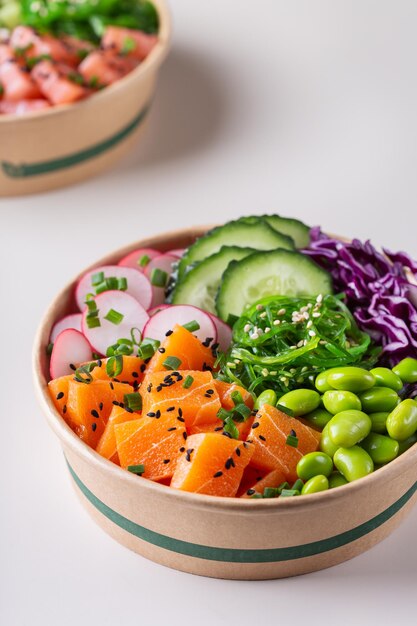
[[378, 290]]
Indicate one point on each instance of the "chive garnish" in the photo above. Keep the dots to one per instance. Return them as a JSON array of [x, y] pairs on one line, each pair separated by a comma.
[[143, 260], [172, 363], [129, 45], [96, 279], [133, 401], [148, 347], [236, 398], [93, 321], [158, 278], [287, 493], [188, 382], [285, 410], [114, 366], [114, 317], [191, 326], [292, 441], [49, 348], [298, 485], [136, 469], [231, 428], [83, 373]]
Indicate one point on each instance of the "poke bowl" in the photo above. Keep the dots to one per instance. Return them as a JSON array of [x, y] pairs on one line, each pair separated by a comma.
[[287, 521], [70, 108]]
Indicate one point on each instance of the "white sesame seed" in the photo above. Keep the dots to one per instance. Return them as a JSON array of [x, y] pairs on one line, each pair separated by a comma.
[[319, 298], [247, 328], [282, 312], [312, 333], [316, 314], [309, 324], [259, 307], [237, 361], [263, 315], [300, 343], [231, 365], [304, 369], [277, 322], [293, 347], [273, 373], [267, 329], [264, 372], [254, 335]]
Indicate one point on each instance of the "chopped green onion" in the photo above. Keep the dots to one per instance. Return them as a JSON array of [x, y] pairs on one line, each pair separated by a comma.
[[285, 410], [143, 260], [122, 283], [243, 410], [288, 493], [231, 428], [292, 441], [172, 363], [236, 398], [223, 414], [76, 78], [92, 320], [136, 469], [90, 302], [188, 382], [49, 348], [191, 326], [147, 348], [159, 278], [271, 492], [96, 279], [83, 373], [129, 45], [114, 317], [114, 366], [298, 485], [133, 401], [136, 340]]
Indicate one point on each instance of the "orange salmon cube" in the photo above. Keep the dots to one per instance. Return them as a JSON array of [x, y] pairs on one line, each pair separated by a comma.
[[130, 42], [107, 445], [187, 348], [105, 67], [272, 479], [55, 85], [17, 83]]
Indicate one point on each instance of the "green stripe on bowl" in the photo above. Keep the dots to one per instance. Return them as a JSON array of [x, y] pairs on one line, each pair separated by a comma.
[[26, 170], [233, 555]]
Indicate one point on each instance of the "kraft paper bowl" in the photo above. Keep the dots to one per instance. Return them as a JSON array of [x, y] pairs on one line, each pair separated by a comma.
[[68, 143], [224, 537]]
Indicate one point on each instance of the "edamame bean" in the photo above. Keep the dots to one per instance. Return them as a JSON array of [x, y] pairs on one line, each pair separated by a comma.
[[326, 444], [266, 397], [385, 377], [336, 401], [350, 379], [381, 449], [353, 463], [407, 443], [336, 480], [321, 382], [313, 464], [379, 399], [319, 418], [406, 370], [315, 484], [402, 421], [379, 421], [300, 401], [349, 427]]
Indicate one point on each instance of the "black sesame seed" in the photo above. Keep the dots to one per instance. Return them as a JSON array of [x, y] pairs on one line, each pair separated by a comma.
[[255, 424], [143, 367], [151, 414], [207, 341], [180, 419], [217, 474], [180, 411], [135, 375], [228, 464], [245, 445], [184, 434], [99, 362], [170, 408], [188, 455], [210, 392], [262, 438], [100, 406], [121, 404], [60, 395], [149, 388], [128, 409], [159, 388], [158, 414], [207, 368], [227, 434], [115, 403], [94, 413], [237, 451], [168, 333], [172, 428], [161, 350], [147, 360], [182, 449], [72, 366], [293, 433], [111, 386], [250, 492], [165, 461], [64, 409], [218, 428], [93, 427]]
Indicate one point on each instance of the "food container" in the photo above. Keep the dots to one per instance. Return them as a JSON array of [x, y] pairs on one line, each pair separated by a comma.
[[65, 144], [224, 537]]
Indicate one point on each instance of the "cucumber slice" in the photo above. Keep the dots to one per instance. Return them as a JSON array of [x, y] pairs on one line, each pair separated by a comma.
[[255, 234], [200, 284], [298, 231], [273, 273]]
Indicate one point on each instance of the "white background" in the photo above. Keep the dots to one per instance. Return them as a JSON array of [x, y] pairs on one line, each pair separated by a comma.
[[305, 107]]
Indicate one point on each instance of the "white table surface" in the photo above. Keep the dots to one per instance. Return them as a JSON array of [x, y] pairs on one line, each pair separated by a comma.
[[307, 108]]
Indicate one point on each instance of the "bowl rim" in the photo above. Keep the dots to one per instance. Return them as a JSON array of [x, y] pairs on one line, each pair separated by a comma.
[[153, 60], [239, 505]]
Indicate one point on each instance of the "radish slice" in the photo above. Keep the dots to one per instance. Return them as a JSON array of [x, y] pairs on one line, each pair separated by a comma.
[[138, 284], [105, 335], [156, 309], [224, 333], [69, 321], [70, 348], [133, 259], [164, 320], [178, 252], [164, 263]]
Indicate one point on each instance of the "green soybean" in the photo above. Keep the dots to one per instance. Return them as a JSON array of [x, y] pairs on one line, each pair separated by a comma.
[[407, 443], [353, 463], [349, 427], [300, 401], [326, 444], [402, 421], [379, 421], [336, 401], [406, 370], [385, 377], [321, 382], [313, 464], [381, 449], [379, 399], [319, 418], [266, 397], [315, 484], [336, 480], [350, 379]]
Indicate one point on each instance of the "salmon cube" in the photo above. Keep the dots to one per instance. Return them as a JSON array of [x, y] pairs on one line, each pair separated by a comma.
[[23, 106], [107, 445], [17, 83], [129, 42], [187, 348], [55, 85], [104, 67]]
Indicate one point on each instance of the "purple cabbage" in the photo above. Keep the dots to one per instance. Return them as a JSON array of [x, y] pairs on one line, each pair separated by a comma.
[[378, 290]]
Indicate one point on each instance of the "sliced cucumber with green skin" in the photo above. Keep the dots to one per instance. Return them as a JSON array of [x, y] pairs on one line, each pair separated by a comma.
[[257, 234], [298, 231], [200, 284], [273, 273]]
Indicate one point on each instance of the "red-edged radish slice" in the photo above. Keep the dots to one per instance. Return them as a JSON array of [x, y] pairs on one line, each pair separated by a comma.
[[164, 320], [138, 285], [224, 333], [164, 263], [133, 259], [156, 309], [105, 335], [69, 321], [70, 348], [178, 252]]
